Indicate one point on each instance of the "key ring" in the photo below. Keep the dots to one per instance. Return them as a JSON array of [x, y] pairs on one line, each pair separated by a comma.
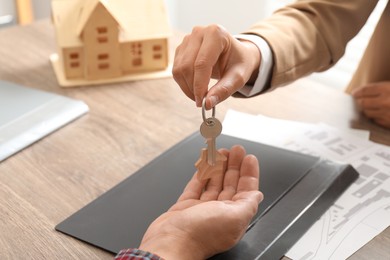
[[208, 122]]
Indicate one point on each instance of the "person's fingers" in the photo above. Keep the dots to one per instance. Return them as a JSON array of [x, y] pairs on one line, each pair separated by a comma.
[[249, 174], [379, 116], [225, 152], [193, 189], [181, 81], [370, 102], [373, 113], [214, 184], [374, 101], [183, 65], [385, 122], [177, 72], [232, 173], [243, 61], [232, 80], [215, 43], [374, 89], [211, 52], [213, 188], [250, 200]]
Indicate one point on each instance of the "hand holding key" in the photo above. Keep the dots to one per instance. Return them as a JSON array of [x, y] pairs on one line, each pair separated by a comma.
[[211, 161]]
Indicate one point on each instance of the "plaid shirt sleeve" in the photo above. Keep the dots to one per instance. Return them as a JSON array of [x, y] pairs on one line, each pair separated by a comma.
[[136, 254]]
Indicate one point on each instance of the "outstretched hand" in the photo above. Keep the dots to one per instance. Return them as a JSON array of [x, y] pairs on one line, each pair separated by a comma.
[[374, 100], [211, 52], [210, 216]]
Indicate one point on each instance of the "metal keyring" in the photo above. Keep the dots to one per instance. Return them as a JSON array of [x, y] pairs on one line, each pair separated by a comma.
[[204, 112]]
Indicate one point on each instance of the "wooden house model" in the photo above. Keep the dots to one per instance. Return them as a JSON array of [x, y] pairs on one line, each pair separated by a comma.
[[107, 39]]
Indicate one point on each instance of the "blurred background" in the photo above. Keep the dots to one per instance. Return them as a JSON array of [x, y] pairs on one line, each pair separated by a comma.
[[234, 15]]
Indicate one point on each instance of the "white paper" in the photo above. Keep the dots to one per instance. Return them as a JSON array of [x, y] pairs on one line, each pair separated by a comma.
[[261, 129], [362, 212]]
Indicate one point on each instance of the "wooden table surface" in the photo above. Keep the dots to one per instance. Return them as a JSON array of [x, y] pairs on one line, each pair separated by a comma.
[[127, 126]]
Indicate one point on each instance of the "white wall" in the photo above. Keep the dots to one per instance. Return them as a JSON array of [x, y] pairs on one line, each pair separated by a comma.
[[7, 13], [234, 15], [42, 8]]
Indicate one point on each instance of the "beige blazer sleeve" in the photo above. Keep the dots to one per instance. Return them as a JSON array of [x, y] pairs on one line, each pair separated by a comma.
[[311, 36]]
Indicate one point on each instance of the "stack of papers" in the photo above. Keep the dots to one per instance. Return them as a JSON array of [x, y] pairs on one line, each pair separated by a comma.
[[362, 212]]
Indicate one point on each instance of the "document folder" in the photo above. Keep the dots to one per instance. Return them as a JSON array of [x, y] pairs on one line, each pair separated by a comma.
[[297, 189], [27, 115]]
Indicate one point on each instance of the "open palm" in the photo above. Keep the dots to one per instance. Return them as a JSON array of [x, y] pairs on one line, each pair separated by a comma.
[[212, 215]]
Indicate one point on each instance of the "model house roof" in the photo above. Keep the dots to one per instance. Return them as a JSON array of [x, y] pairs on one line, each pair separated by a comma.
[[137, 19]]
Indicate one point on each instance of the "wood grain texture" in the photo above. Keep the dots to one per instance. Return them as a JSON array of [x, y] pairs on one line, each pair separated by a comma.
[[128, 125]]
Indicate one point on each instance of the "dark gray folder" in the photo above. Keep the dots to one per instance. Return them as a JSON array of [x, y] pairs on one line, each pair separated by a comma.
[[297, 189]]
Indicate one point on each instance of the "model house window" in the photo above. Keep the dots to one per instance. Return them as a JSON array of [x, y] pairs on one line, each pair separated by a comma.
[[157, 56], [102, 39], [73, 55], [103, 56], [137, 62], [157, 49], [74, 64], [103, 66], [102, 34], [136, 53], [74, 59], [101, 30], [136, 48]]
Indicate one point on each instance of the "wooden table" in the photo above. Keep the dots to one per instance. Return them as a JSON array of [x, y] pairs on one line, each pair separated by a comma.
[[128, 125]]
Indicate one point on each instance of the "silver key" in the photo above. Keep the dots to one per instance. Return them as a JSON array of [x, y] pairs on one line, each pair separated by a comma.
[[210, 129]]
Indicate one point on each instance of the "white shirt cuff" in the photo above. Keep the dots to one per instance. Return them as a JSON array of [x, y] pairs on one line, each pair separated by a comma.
[[265, 65]]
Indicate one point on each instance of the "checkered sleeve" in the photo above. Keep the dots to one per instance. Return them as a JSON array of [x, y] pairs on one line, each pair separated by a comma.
[[136, 254]]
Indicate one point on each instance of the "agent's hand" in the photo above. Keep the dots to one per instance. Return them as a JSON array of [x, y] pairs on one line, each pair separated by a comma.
[[211, 52], [374, 100], [210, 216]]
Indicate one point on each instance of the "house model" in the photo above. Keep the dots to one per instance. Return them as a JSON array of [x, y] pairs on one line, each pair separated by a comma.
[[109, 40]]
